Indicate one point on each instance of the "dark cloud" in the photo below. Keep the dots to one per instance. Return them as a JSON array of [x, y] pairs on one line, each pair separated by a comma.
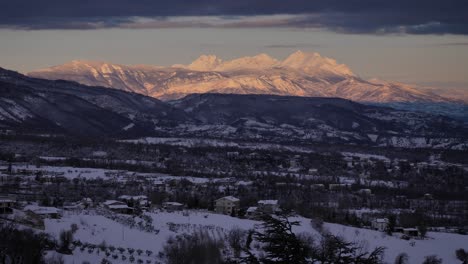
[[347, 16]]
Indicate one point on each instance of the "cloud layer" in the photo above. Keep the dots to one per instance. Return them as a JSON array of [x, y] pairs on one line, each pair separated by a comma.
[[346, 16]]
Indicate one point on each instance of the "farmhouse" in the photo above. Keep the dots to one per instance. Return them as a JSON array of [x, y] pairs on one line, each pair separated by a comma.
[[228, 205], [44, 212], [379, 224], [118, 207], [410, 231], [132, 201]]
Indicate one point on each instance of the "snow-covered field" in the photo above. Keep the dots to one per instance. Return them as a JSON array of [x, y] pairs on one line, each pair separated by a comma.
[[96, 173], [441, 244], [95, 228]]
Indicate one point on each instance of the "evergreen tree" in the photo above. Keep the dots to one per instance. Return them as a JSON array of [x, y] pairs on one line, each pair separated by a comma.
[[280, 243]]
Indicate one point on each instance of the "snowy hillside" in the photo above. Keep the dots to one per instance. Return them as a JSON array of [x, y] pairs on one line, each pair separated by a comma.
[[63, 107], [96, 228]]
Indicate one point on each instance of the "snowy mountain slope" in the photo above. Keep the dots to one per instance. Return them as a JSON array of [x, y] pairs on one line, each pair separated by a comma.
[[300, 74], [35, 105], [285, 118], [457, 94]]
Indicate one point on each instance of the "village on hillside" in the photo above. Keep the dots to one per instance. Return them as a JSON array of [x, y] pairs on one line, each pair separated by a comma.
[[125, 213]]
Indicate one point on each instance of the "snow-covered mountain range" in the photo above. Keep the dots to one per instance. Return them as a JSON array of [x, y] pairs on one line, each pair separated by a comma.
[[33, 105], [300, 74]]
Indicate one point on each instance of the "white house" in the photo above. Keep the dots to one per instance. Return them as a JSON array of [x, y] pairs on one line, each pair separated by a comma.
[[251, 212], [228, 205], [267, 206], [379, 224]]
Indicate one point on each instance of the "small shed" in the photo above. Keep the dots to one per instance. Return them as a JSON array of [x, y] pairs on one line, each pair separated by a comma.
[[411, 231], [172, 206]]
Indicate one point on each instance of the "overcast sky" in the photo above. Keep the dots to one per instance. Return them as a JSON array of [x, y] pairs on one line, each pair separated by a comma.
[[404, 40]]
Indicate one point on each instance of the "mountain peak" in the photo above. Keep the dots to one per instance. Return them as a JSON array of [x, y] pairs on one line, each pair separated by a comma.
[[311, 63], [80, 62], [302, 54], [259, 61], [74, 65], [205, 63], [213, 63], [314, 63], [263, 56]]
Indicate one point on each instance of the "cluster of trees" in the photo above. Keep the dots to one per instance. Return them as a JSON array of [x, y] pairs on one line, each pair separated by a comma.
[[198, 247], [22, 246]]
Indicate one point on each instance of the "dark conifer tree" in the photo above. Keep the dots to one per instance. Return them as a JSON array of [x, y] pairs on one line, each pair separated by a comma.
[[280, 243]]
